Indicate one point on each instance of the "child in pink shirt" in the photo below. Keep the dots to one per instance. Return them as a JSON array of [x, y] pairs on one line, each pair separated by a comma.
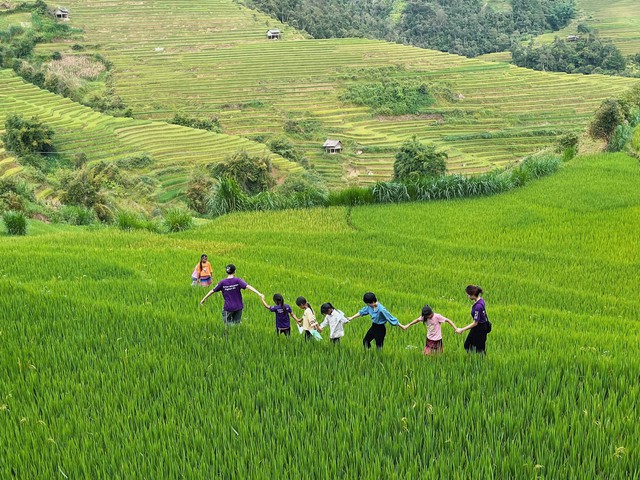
[[433, 323]]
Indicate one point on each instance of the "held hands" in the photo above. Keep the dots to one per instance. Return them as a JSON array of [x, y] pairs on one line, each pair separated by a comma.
[[459, 331]]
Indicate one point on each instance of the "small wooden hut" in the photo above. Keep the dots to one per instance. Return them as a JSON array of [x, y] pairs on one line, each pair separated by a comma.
[[274, 34], [61, 13], [332, 146]]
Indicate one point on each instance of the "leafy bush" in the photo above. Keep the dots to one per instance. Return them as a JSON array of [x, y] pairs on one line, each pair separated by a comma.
[[24, 137], [210, 124], [281, 146], [81, 187], [74, 215], [198, 191], [252, 174], [610, 114], [391, 97], [142, 160], [304, 128], [16, 223], [417, 159], [177, 220]]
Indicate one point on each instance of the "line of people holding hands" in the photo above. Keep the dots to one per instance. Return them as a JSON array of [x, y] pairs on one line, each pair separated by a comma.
[[232, 286]]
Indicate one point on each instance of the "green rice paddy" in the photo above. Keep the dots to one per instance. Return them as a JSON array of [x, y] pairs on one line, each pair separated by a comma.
[[111, 369]]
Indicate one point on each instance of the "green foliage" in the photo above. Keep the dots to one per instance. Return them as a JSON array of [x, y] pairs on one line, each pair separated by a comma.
[[15, 223], [417, 159], [81, 188], [391, 96], [620, 137], [281, 146], [15, 194], [226, 197], [77, 215], [351, 196], [199, 190], [305, 127], [27, 136], [587, 55], [128, 221], [178, 220], [210, 124], [610, 114], [136, 162], [252, 174], [465, 27]]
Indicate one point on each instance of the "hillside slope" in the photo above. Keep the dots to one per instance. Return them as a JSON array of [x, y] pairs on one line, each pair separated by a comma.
[[212, 58], [79, 129]]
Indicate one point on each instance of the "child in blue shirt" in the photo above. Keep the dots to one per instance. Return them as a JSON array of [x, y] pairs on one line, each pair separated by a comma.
[[379, 316]]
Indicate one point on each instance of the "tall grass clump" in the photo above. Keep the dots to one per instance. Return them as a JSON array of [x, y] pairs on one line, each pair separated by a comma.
[[16, 223], [226, 197], [178, 220], [351, 196], [127, 220]]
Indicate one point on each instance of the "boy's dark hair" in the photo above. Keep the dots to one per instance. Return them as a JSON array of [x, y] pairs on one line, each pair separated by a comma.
[[427, 311], [324, 309], [369, 297], [231, 268]]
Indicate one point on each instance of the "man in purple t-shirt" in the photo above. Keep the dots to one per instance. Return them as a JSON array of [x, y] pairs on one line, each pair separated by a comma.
[[231, 292]]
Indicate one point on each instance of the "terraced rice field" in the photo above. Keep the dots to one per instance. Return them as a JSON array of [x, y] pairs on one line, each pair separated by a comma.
[[111, 369], [615, 20], [101, 137], [211, 58]]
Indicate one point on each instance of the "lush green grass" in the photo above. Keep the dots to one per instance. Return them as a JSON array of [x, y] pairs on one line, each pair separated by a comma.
[[112, 370], [211, 58]]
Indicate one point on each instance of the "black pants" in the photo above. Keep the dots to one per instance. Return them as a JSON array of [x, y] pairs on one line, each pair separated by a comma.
[[376, 332], [335, 341], [307, 335], [284, 331], [477, 339]]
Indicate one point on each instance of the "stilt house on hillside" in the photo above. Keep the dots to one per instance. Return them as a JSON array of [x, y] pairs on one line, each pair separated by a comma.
[[61, 13], [332, 146], [274, 34]]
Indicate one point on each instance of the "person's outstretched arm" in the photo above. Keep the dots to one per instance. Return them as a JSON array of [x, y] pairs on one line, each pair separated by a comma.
[[468, 327], [354, 316], [450, 323], [417, 320], [211, 292], [249, 287], [266, 305]]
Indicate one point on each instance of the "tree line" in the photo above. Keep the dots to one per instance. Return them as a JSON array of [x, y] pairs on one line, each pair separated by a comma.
[[464, 27]]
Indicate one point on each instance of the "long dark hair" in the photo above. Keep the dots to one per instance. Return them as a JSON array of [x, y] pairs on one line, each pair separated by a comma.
[[279, 300], [473, 290], [302, 301], [204, 255]]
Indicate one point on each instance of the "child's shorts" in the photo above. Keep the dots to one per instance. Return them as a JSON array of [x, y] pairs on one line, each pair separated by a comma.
[[433, 346], [206, 281]]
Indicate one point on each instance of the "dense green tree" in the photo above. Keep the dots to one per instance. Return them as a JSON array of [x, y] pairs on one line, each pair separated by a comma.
[[27, 136], [415, 159], [252, 174], [610, 114]]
